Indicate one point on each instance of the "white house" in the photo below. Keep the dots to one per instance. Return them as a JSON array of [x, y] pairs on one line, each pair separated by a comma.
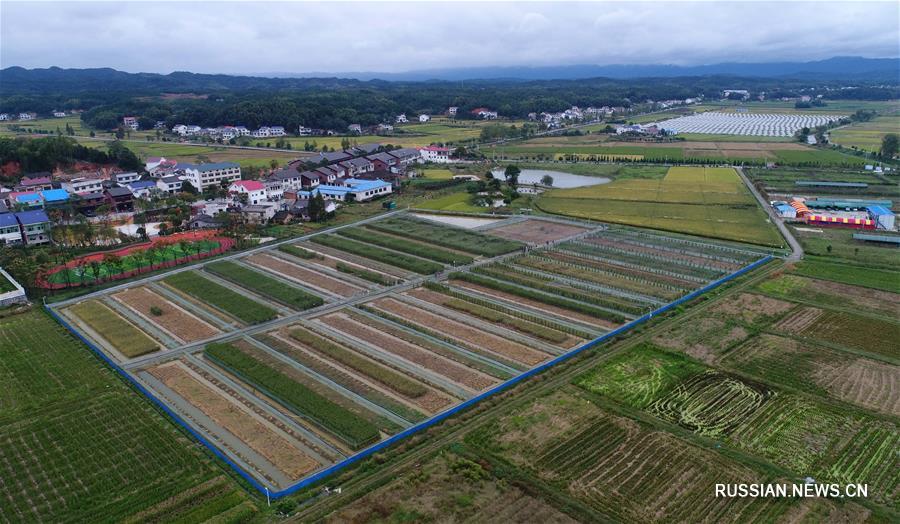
[[126, 178], [385, 128], [424, 118], [130, 121], [401, 118], [179, 129], [27, 116], [354, 128], [59, 114], [241, 131], [169, 184], [202, 176], [4, 116], [452, 110], [83, 185], [274, 189], [276, 131], [438, 155], [254, 189], [304, 131]]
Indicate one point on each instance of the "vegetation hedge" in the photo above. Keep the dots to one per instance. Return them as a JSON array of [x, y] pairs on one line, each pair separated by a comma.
[[365, 274], [265, 285], [129, 340], [229, 301], [553, 300], [406, 246], [386, 376], [409, 263], [505, 320], [350, 427]]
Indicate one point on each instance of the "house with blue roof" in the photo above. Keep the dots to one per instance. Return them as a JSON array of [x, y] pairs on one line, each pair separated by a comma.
[[352, 190], [10, 234], [142, 188], [30, 200], [883, 217], [34, 226], [55, 197]]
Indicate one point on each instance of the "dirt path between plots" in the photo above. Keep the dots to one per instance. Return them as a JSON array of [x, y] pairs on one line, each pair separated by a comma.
[[536, 231], [534, 304], [458, 330], [173, 319], [441, 299], [304, 275], [456, 372], [432, 401], [258, 435]]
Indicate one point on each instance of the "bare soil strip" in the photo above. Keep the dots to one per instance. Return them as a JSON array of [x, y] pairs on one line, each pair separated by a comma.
[[171, 317], [460, 331], [534, 304], [303, 275], [256, 433], [863, 382], [800, 320], [456, 372], [536, 231]]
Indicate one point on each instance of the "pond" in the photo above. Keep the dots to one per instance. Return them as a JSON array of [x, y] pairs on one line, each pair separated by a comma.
[[560, 179]]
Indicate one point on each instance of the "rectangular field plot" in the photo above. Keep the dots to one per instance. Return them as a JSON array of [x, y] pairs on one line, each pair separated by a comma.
[[297, 356]]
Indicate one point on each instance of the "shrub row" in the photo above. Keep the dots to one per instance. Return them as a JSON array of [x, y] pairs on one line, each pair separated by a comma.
[[365, 274], [534, 319], [409, 263], [452, 237], [349, 426], [510, 274], [231, 302], [499, 318], [388, 377], [552, 300], [265, 285], [405, 246], [299, 252]]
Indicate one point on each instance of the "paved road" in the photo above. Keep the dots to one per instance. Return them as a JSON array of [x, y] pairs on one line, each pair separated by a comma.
[[796, 248]]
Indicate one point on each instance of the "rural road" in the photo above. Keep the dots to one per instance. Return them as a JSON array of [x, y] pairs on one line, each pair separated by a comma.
[[796, 248]]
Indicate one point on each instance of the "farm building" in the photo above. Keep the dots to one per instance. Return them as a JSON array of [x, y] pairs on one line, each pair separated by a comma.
[[826, 220], [884, 218], [846, 204], [785, 211]]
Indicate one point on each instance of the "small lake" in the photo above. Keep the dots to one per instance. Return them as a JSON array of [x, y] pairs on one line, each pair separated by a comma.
[[560, 179]]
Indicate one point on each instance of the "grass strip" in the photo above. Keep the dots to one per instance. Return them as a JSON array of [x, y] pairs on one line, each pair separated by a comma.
[[350, 427], [229, 301], [388, 377], [406, 246], [552, 300], [268, 286], [409, 263], [129, 340], [365, 274], [452, 237], [299, 252]]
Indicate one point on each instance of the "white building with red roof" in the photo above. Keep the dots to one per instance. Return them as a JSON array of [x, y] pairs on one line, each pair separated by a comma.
[[438, 155], [254, 189]]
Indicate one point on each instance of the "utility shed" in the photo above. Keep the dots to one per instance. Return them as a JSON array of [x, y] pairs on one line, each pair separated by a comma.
[[883, 218]]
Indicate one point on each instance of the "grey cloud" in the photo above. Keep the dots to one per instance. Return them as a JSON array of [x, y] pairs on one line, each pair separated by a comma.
[[301, 37]]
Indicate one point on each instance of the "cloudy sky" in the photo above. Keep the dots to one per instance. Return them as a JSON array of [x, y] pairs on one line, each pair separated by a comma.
[[301, 37]]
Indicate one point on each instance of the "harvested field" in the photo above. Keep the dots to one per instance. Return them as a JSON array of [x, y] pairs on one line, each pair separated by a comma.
[[536, 231], [864, 382], [166, 315], [460, 374], [828, 293], [463, 332], [259, 435], [799, 320], [752, 309], [303, 275], [432, 401], [534, 304], [120, 334], [467, 309], [704, 338]]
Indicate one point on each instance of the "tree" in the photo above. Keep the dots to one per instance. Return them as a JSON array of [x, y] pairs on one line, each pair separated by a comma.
[[547, 180], [889, 146], [512, 175]]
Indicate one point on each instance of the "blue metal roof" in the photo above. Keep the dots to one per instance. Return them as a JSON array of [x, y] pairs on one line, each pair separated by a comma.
[[55, 195], [141, 184], [365, 185], [8, 219], [30, 197], [878, 211], [784, 208], [32, 217]]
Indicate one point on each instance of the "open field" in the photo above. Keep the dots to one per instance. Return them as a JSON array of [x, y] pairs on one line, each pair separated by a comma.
[[453, 202], [701, 201], [781, 183], [120, 334], [866, 135], [63, 413], [195, 153], [285, 393]]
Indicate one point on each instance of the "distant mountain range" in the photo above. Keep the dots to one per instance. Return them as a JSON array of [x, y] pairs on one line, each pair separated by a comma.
[[837, 67], [19, 80]]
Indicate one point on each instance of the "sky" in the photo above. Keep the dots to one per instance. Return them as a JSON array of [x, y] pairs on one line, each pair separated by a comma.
[[333, 37]]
